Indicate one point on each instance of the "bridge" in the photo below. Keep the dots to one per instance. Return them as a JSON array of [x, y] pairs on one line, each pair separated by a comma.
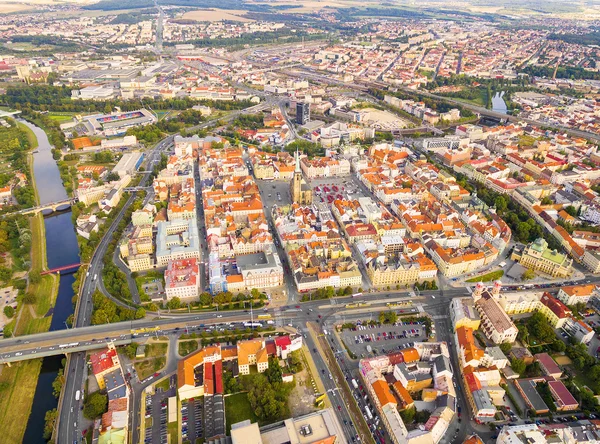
[[62, 268], [48, 208]]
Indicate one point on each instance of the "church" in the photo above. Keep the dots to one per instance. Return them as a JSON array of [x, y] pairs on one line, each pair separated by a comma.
[[300, 190]]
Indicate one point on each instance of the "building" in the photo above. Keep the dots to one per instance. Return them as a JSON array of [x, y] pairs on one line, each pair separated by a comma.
[[468, 352], [103, 363], [177, 239], [495, 323], [463, 314], [129, 163], [563, 399], [539, 257], [574, 294], [252, 352], [300, 190], [319, 427], [257, 270], [548, 366], [579, 330], [302, 113], [555, 311], [533, 400], [182, 279]]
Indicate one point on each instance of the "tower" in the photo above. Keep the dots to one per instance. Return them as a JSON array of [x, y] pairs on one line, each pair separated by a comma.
[[297, 180], [478, 291], [496, 289]]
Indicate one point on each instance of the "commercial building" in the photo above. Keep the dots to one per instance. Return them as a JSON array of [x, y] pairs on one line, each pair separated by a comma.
[[555, 311], [182, 279], [539, 257], [118, 123], [318, 427], [302, 113], [548, 366], [257, 270], [463, 314], [129, 163]]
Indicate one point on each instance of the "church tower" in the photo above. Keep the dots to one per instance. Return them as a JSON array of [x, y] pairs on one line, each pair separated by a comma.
[[297, 181]]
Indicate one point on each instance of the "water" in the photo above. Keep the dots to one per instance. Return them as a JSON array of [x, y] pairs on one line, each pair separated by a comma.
[[61, 249], [498, 103]]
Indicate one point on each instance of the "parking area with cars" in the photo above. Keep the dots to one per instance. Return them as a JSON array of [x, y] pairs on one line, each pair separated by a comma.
[[156, 411], [365, 339], [331, 188], [192, 427]]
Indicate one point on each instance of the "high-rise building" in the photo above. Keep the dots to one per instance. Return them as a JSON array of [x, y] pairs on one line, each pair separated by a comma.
[[302, 113]]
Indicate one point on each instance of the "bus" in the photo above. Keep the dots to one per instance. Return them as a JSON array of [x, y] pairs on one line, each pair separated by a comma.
[[357, 295], [252, 324], [264, 316]]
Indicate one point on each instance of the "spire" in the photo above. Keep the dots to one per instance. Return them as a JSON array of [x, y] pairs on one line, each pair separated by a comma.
[[297, 157]]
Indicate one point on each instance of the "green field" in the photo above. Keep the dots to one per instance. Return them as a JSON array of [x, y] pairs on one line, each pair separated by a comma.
[[492, 276], [238, 408], [61, 117]]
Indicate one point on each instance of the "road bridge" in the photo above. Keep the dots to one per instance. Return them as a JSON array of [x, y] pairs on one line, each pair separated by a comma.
[[48, 208]]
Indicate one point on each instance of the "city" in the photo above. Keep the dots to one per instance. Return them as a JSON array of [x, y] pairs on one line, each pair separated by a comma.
[[299, 222]]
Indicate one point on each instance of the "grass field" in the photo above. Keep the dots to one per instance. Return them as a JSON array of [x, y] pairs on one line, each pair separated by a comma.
[[148, 367], [164, 384], [61, 117], [237, 408], [187, 347], [492, 276], [156, 350], [16, 398]]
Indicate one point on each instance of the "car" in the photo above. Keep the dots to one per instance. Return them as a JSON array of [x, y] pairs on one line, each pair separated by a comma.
[[339, 407]]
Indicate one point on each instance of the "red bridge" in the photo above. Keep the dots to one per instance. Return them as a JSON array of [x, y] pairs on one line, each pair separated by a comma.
[[59, 269]]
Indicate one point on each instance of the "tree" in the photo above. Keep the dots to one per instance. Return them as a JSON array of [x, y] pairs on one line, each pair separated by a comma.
[[518, 365], [130, 350], [528, 274], [140, 313], [35, 277], [295, 362], [388, 317], [274, 373], [559, 346], [408, 415], [9, 311], [50, 422], [505, 347], [205, 299], [58, 383], [174, 303], [95, 405], [29, 298], [5, 274], [538, 328]]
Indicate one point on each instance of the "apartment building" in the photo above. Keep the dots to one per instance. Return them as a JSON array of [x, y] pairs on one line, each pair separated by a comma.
[[177, 239], [575, 294]]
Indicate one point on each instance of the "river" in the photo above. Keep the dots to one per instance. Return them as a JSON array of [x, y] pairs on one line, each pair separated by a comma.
[[498, 103], [61, 249]]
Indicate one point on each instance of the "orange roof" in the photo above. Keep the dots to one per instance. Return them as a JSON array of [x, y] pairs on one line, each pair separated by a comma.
[[473, 439], [403, 394], [185, 367], [383, 393], [467, 341], [248, 348], [410, 355]]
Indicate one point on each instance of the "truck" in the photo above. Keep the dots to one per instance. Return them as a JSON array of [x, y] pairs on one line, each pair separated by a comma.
[[77, 395], [369, 414], [270, 322], [354, 383]]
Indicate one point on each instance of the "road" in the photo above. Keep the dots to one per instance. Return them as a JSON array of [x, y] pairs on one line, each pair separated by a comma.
[[69, 410]]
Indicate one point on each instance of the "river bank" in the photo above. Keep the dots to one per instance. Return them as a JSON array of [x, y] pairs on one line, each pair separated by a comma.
[[29, 393]]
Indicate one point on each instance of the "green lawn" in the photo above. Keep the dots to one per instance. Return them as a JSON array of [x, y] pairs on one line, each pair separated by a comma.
[[492, 276], [173, 431], [16, 399], [156, 350], [61, 117], [187, 347], [237, 408], [164, 384]]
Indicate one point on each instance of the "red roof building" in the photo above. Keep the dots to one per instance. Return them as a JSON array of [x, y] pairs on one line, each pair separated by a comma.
[[564, 400]]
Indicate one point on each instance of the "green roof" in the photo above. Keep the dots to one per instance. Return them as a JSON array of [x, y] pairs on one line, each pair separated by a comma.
[[554, 256]]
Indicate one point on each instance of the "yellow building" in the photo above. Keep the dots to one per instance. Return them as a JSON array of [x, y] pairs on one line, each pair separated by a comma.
[[104, 362], [538, 256], [252, 353]]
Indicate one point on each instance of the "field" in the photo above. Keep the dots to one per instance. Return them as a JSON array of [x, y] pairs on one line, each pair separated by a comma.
[[492, 276], [216, 15], [187, 347], [61, 117], [237, 408], [17, 387]]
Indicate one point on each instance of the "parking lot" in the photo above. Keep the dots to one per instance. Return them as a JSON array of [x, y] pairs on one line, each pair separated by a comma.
[[330, 188], [156, 410], [386, 338], [192, 427]]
